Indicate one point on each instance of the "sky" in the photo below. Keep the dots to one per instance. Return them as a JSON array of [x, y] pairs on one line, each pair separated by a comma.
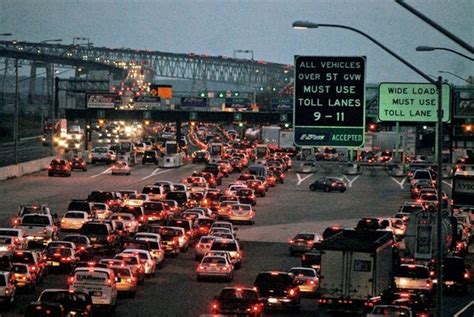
[[218, 27]]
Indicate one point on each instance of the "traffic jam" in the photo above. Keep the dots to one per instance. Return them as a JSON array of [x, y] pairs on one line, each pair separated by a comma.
[[110, 245]]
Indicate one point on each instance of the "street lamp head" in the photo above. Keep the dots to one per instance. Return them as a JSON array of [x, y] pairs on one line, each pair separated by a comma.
[[425, 49], [303, 25]]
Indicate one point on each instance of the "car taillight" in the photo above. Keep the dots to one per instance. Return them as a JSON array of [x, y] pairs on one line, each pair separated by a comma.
[[110, 238], [429, 283], [7, 291], [292, 292], [33, 268], [63, 221], [256, 308], [70, 280], [109, 282], [467, 275], [129, 280], [214, 307], [310, 282], [200, 267]]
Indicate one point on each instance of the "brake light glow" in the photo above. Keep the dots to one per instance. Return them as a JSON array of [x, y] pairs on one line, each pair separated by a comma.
[[70, 280]]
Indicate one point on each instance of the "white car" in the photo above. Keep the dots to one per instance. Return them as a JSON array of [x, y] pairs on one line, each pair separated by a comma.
[[73, 220], [156, 251], [306, 278], [18, 236], [136, 200], [120, 168], [203, 246], [130, 224], [215, 267], [101, 211], [242, 213], [7, 246], [224, 224], [38, 228], [230, 245], [148, 235], [145, 258], [7, 288]]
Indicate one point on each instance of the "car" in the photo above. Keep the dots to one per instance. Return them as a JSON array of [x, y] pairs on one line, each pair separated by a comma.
[[201, 157], [78, 163], [258, 186], [391, 310], [103, 154], [230, 245], [37, 228], [83, 245], [154, 192], [332, 230], [31, 258], [203, 246], [246, 196], [39, 309], [419, 302], [237, 301], [328, 184], [456, 274], [73, 220], [74, 303], [312, 259], [18, 235], [304, 242], [32, 208], [132, 261], [101, 211], [411, 207], [101, 235], [125, 281], [169, 240], [111, 198], [413, 277], [152, 245], [22, 277], [120, 168], [130, 224], [59, 167], [150, 157], [7, 246], [307, 280], [60, 258], [241, 213], [146, 259], [215, 267], [278, 289]]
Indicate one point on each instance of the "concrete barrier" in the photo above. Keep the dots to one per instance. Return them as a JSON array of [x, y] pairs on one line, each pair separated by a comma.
[[13, 171]]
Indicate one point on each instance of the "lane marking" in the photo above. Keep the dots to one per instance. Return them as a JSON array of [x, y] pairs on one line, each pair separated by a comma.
[[152, 173], [102, 173], [458, 314], [351, 181], [300, 180], [399, 183], [156, 172], [448, 183]]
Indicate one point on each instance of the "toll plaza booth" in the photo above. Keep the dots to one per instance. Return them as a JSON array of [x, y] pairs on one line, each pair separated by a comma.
[[172, 156]]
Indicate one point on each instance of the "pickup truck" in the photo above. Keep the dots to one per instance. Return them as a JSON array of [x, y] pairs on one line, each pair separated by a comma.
[[103, 154], [38, 228]]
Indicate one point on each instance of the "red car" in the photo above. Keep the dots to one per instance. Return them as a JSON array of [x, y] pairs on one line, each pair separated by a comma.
[[78, 163], [59, 167]]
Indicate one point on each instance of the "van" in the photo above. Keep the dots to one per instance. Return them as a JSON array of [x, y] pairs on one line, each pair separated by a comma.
[[257, 170], [99, 283], [154, 192]]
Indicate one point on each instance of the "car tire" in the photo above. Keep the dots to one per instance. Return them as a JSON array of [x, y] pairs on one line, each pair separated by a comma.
[[312, 187]]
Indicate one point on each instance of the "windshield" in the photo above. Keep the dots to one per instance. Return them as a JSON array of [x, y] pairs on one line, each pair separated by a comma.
[[76, 215], [94, 228], [214, 260], [224, 246], [23, 257], [413, 271], [21, 269], [35, 220], [303, 272]]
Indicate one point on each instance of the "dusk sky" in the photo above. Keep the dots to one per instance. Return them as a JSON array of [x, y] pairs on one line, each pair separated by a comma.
[[216, 27]]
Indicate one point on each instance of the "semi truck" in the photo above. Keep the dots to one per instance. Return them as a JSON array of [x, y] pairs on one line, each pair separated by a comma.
[[356, 265]]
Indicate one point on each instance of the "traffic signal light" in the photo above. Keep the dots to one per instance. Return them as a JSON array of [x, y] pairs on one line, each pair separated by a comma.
[[468, 128], [374, 127]]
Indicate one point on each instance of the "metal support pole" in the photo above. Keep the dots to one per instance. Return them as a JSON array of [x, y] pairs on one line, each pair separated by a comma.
[[439, 255], [56, 97], [397, 141], [15, 120]]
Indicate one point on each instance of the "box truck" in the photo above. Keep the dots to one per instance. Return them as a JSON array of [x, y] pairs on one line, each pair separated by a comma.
[[356, 265]]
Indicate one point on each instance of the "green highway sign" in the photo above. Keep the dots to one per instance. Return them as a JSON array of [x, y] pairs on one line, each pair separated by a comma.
[[193, 116], [329, 101], [237, 116], [412, 102]]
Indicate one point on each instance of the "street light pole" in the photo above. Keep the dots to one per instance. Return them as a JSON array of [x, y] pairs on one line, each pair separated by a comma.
[[439, 130], [15, 119], [431, 48]]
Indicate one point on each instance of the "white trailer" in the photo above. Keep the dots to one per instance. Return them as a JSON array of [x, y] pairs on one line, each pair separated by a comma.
[[356, 265]]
